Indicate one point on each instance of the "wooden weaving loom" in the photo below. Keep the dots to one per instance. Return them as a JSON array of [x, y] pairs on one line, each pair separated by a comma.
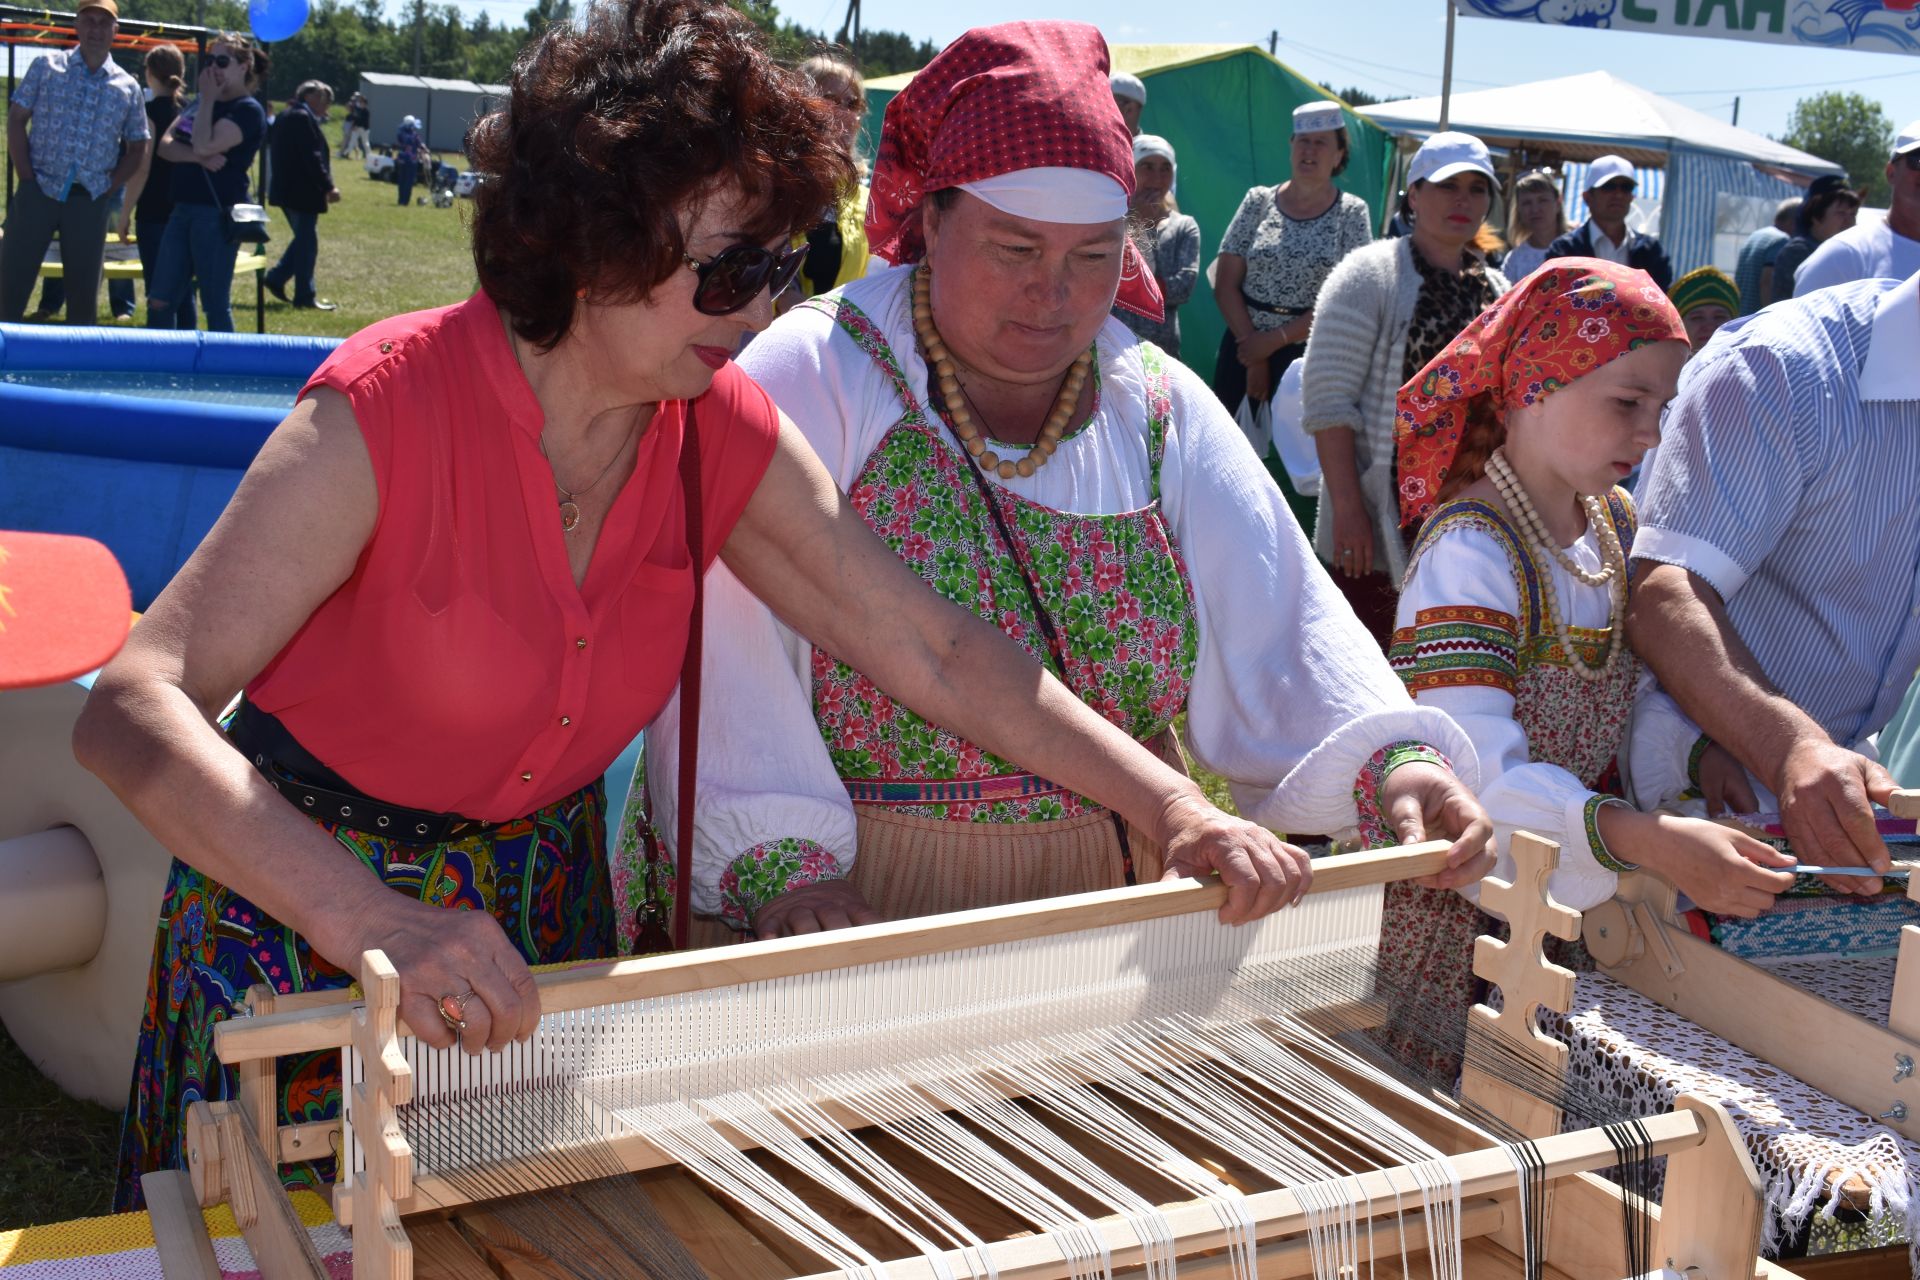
[[1089, 980], [1639, 940]]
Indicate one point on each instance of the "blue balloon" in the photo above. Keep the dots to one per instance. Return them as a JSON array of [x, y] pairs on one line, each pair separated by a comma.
[[276, 19]]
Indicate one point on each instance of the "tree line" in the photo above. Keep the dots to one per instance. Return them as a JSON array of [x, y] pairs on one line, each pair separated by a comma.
[[343, 38]]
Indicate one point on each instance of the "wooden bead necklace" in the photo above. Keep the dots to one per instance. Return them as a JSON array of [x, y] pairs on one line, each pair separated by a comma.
[[946, 376], [1612, 574]]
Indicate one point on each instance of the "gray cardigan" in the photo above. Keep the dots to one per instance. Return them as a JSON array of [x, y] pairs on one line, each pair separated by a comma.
[[1354, 359]]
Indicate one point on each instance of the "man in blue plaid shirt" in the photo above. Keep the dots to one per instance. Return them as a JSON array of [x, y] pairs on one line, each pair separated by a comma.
[[88, 135]]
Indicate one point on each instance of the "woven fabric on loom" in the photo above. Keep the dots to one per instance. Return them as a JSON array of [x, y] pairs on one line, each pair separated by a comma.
[[1824, 926], [120, 1247], [1806, 1146]]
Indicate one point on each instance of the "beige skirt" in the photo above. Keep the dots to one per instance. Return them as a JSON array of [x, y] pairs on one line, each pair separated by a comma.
[[910, 866]]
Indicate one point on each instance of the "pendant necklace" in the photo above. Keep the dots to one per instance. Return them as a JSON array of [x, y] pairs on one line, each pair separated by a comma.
[[570, 499]]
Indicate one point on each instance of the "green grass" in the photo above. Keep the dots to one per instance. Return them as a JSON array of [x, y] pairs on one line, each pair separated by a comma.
[[57, 1155], [376, 258]]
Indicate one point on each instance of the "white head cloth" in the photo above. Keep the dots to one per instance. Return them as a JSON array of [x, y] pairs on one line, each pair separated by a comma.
[[1053, 194], [1317, 117], [1130, 87], [1152, 144]]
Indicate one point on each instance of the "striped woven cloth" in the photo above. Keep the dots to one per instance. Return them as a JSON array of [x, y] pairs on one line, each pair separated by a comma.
[[120, 1246]]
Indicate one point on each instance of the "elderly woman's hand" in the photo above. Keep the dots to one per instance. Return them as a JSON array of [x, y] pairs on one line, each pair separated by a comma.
[[440, 954], [1426, 802], [813, 908], [1262, 873]]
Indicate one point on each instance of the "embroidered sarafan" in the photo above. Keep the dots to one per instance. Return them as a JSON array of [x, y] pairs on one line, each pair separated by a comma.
[[1115, 587]]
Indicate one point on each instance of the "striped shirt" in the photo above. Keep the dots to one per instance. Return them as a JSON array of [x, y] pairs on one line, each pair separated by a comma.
[[1789, 480]]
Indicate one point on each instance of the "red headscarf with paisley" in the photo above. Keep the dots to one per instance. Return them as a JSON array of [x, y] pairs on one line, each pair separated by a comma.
[[1021, 95], [1562, 322]]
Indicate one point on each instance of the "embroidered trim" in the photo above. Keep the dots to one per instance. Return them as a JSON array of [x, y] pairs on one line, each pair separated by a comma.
[[1375, 831], [1598, 846], [1455, 646], [1473, 513], [768, 870], [1694, 756]]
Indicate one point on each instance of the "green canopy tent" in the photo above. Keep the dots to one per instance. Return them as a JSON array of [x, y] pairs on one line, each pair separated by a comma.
[[1227, 109]]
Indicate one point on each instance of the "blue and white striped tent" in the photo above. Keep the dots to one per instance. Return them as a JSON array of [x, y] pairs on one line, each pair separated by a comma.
[[1704, 184]]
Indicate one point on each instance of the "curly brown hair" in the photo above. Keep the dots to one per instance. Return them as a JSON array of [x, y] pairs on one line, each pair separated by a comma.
[[613, 130]]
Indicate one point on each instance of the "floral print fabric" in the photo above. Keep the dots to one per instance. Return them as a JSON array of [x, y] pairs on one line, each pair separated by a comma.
[[768, 870], [1568, 722], [543, 877], [1564, 321], [1426, 941], [1114, 585]]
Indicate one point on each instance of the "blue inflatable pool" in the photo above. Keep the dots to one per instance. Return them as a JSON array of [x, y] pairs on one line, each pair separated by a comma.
[[137, 438]]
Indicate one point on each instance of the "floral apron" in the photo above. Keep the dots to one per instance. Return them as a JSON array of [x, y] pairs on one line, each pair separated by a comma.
[[942, 823], [1426, 937]]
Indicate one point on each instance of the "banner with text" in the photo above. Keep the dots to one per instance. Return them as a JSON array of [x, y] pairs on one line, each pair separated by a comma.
[[1875, 26]]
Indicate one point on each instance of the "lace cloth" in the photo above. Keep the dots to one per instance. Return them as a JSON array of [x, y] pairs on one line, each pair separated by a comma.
[[1814, 1154]]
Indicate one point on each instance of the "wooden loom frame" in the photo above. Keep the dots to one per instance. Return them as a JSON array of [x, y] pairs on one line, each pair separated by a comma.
[[1639, 940], [1712, 1204]]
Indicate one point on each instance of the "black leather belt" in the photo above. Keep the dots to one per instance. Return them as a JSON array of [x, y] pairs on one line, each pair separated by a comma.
[[1254, 304], [319, 792]]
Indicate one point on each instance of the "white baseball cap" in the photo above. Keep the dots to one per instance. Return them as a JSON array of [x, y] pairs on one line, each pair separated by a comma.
[[412, 120], [1908, 140], [1609, 169], [1445, 154]]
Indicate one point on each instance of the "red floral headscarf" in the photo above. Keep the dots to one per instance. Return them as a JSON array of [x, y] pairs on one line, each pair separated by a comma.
[[1022, 95], [1561, 323]]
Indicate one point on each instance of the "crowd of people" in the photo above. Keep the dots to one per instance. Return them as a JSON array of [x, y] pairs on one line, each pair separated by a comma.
[[909, 596], [98, 154]]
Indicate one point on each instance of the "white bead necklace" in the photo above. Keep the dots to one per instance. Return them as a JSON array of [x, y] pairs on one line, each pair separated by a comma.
[[945, 374], [1612, 574]]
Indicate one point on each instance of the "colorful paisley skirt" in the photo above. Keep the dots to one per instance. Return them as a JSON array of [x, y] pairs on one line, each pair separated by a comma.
[[544, 878]]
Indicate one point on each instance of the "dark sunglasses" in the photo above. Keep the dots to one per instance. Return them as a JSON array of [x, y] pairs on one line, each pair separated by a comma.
[[731, 279], [221, 60], [1911, 159]]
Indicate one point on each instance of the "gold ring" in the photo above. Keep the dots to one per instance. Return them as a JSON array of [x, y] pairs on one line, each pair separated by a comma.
[[453, 1009]]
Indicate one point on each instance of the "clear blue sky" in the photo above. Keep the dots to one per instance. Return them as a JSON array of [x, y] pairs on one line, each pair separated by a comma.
[[1394, 47]]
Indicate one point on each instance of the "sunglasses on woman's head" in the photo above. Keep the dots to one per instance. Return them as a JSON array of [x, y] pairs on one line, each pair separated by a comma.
[[731, 279]]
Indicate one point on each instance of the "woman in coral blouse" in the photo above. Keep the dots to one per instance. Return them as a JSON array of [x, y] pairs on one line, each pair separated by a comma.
[[458, 580]]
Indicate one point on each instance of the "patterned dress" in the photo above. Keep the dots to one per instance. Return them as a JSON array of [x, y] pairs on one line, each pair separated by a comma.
[[1501, 644], [543, 877]]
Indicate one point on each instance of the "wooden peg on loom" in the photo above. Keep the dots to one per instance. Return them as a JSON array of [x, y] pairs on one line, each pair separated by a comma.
[[381, 1250], [1528, 982]]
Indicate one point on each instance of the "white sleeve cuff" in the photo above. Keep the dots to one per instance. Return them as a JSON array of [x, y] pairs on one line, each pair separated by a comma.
[[1695, 555], [1317, 795]]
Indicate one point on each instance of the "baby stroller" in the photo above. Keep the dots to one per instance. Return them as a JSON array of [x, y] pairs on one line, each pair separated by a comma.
[[445, 177]]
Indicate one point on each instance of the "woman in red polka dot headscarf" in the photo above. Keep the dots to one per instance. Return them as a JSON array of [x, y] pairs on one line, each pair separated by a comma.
[[1032, 461]]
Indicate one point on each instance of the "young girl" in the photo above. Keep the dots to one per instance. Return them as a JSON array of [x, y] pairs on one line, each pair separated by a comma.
[[1510, 444]]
